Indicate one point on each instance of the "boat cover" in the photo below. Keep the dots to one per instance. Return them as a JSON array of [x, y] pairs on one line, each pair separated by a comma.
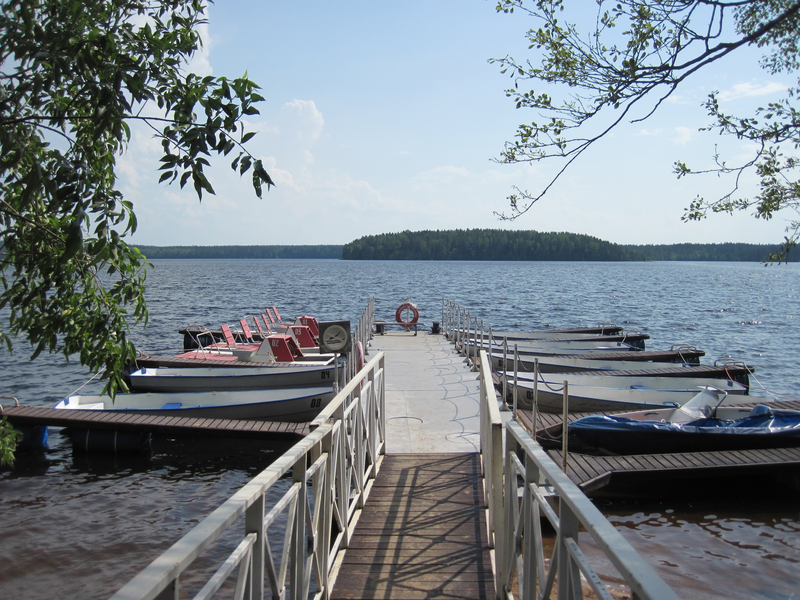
[[621, 435]]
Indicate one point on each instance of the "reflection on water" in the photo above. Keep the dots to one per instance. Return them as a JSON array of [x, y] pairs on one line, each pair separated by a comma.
[[88, 522], [85, 524], [736, 543]]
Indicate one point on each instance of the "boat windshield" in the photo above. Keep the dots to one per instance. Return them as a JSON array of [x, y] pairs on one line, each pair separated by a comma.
[[702, 406]]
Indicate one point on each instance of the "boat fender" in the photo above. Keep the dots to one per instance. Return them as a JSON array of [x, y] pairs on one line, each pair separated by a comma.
[[407, 307]]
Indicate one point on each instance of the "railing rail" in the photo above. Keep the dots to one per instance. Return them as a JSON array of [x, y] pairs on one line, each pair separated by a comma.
[[332, 470], [515, 527]]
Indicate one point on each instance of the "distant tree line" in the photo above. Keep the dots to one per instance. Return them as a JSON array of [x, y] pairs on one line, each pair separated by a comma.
[[714, 252], [483, 244], [326, 251]]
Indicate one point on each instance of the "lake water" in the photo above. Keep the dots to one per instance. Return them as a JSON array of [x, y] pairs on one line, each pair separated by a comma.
[[79, 526]]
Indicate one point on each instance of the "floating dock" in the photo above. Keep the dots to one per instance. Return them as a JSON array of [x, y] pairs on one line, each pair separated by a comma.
[[594, 474], [422, 532], [31, 416]]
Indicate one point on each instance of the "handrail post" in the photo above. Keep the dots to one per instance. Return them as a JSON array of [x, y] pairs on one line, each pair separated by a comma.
[[516, 378], [531, 546], [298, 540], [325, 481], [569, 576], [505, 369], [254, 523], [535, 407], [565, 427]]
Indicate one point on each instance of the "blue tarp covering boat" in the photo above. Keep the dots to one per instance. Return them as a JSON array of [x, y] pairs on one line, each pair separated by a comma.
[[621, 435], [699, 426]]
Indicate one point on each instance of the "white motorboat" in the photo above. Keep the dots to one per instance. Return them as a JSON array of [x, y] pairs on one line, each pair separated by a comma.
[[584, 398], [204, 379], [289, 404]]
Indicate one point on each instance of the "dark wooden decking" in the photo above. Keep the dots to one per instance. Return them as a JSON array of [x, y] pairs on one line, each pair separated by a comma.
[[95, 419], [593, 473], [422, 533]]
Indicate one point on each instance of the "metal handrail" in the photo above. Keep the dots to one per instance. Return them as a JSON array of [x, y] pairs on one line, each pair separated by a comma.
[[515, 528], [332, 471]]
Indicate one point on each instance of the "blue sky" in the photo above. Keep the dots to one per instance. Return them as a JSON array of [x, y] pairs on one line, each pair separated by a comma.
[[381, 117]]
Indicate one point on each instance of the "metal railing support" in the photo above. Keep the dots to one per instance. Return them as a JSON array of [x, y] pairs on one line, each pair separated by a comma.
[[319, 471], [514, 529]]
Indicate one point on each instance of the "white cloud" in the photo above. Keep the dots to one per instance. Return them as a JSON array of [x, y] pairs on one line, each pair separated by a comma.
[[680, 99], [199, 63], [683, 135], [649, 132], [302, 118], [749, 90]]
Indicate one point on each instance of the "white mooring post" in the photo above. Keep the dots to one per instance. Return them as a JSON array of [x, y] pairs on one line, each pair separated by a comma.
[[505, 370], [516, 377], [535, 407], [565, 425]]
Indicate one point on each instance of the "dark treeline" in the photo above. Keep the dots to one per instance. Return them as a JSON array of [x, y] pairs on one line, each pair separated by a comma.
[[483, 244], [721, 252], [241, 251]]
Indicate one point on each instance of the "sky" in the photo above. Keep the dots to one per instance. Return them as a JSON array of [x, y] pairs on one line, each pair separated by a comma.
[[382, 117]]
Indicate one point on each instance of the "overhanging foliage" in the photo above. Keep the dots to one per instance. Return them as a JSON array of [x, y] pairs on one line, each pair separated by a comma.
[[74, 76], [634, 56]]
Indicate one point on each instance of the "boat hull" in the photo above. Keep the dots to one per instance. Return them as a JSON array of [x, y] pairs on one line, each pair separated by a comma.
[[232, 379], [295, 405], [593, 362], [629, 382], [598, 399]]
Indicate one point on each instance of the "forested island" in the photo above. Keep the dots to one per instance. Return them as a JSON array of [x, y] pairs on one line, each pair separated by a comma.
[[481, 244], [495, 244]]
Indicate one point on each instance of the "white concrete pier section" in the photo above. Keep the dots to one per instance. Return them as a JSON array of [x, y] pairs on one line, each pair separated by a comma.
[[432, 396]]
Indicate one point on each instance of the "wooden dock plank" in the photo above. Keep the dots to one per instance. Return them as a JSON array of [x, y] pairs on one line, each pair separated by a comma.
[[168, 425], [421, 533]]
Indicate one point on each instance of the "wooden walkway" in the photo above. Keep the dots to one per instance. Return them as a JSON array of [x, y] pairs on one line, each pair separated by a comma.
[[593, 473], [422, 533], [95, 419]]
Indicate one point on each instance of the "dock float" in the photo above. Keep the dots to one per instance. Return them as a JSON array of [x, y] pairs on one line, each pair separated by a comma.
[[32, 416], [421, 533], [592, 474]]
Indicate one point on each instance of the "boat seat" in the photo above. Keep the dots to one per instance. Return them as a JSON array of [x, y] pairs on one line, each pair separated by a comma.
[[759, 410]]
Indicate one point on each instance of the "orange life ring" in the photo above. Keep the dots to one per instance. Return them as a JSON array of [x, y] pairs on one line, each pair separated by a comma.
[[410, 307]]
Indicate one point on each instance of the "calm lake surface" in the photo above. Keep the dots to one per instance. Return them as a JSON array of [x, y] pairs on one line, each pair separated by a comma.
[[79, 526]]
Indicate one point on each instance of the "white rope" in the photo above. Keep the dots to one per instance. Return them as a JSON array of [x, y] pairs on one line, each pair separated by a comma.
[[100, 372]]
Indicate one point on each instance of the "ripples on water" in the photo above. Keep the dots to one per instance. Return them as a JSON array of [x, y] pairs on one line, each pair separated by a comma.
[[83, 525]]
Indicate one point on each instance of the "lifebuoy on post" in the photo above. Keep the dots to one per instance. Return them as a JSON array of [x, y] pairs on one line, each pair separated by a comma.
[[410, 310]]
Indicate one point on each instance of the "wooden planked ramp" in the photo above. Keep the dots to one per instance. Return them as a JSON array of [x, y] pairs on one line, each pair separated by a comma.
[[422, 533]]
